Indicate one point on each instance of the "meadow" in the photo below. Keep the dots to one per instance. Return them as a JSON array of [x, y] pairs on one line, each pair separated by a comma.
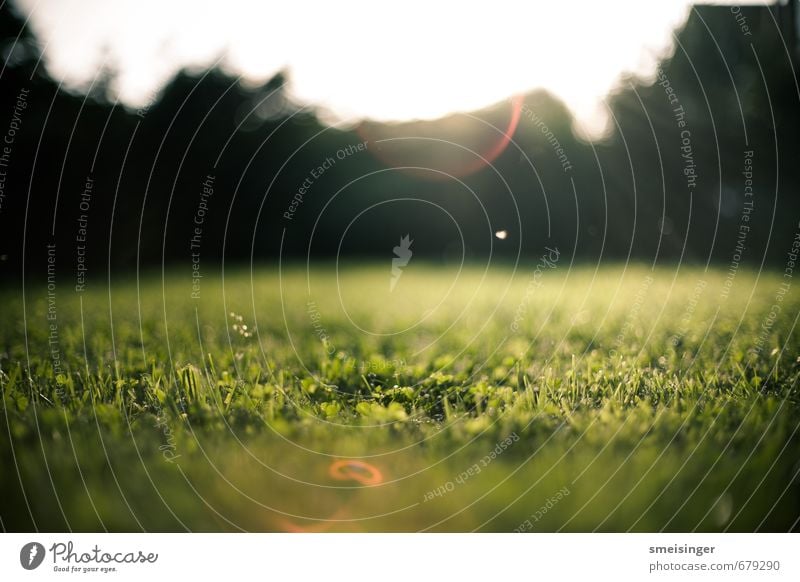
[[543, 398]]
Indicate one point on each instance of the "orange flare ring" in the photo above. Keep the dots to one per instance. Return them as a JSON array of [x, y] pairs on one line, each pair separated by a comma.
[[485, 158], [360, 471], [291, 527], [491, 154]]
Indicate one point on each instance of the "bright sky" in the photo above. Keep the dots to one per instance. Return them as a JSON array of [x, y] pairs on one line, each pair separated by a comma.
[[391, 60]]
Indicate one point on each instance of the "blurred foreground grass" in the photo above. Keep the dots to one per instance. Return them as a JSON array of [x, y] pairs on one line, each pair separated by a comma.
[[576, 400]]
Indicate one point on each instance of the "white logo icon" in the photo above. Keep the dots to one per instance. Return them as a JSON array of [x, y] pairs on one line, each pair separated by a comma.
[[403, 255], [31, 555]]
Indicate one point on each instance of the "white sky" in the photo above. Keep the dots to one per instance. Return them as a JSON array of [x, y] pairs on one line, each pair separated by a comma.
[[390, 60]]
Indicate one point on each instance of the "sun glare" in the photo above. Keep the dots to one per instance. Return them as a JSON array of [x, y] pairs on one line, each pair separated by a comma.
[[380, 61]]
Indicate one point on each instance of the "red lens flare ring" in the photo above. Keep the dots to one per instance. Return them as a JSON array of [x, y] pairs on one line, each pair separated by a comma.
[[349, 469]]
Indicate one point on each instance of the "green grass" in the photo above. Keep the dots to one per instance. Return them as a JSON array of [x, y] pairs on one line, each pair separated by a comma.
[[621, 399]]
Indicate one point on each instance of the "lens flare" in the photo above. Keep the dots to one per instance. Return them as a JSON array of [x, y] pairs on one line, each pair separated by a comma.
[[354, 470]]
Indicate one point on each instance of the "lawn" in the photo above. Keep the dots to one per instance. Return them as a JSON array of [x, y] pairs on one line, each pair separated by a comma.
[[549, 398]]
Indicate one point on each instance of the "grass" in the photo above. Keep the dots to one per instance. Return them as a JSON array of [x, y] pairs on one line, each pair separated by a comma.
[[573, 399]]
